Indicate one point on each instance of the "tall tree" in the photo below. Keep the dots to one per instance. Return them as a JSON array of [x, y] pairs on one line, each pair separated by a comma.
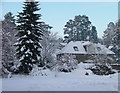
[[69, 30], [29, 36], [93, 35], [112, 38], [50, 43], [8, 40], [108, 34], [116, 41], [79, 29]]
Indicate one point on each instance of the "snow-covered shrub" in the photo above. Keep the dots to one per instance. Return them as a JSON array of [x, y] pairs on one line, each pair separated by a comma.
[[102, 64], [67, 63], [102, 69], [9, 66], [51, 61], [37, 71], [50, 43], [101, 58], [5, 73]]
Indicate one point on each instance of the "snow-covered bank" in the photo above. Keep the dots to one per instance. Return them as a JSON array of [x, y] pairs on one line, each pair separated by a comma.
[[74, 81]]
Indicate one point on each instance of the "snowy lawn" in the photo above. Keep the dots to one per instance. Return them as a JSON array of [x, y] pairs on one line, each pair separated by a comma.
[[74, 81]]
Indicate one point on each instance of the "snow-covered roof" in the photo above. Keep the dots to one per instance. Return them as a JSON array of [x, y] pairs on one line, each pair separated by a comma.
[[63, 44], [69, 48], [85, 42], [101, 49], [84, 47]]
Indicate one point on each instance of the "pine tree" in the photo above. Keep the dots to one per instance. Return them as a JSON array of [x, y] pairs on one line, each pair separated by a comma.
[[79, 29], [93, 35], [29, 36], [116, 41], [83, 27], [69, 30]]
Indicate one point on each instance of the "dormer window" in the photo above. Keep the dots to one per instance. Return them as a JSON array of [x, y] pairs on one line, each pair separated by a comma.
[[75, 48], [85, 47], [98, 48]]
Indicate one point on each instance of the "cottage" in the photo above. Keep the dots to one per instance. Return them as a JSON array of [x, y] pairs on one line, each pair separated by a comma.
[[83, 50]]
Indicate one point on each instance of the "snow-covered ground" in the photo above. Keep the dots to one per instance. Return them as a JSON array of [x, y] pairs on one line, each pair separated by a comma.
[[53, 81], [0, 84]]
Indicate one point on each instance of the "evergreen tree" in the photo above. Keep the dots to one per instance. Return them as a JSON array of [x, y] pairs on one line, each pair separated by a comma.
[[93, 35], [29, 36], [100, 40], [69, 30], [116, 41], [108, 34], [83, 27], [79, 29], [112, 38]]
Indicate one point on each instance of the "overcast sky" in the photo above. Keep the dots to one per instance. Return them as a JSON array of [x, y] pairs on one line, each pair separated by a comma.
[[57, 14]]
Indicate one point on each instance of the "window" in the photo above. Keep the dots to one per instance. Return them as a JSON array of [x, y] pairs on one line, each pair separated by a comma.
[[98, 48], [75, 48], [85, 47]]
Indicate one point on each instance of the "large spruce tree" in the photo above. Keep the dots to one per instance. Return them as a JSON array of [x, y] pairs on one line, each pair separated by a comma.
[[29, 36]]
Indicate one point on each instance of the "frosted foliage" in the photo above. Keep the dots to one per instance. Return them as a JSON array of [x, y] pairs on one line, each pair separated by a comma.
[[67, 63], [6, 73], [50, 44], [30, 41], [102, 59], [108, 34], [29, 32], [38, 57], [22, 49], [35, 71], [22, 58], [28, 52], [8, 40]]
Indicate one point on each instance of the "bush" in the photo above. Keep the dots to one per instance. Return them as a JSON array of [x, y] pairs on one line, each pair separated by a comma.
[[37, 71], [5, 73], [67, 63], [102, 69]]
